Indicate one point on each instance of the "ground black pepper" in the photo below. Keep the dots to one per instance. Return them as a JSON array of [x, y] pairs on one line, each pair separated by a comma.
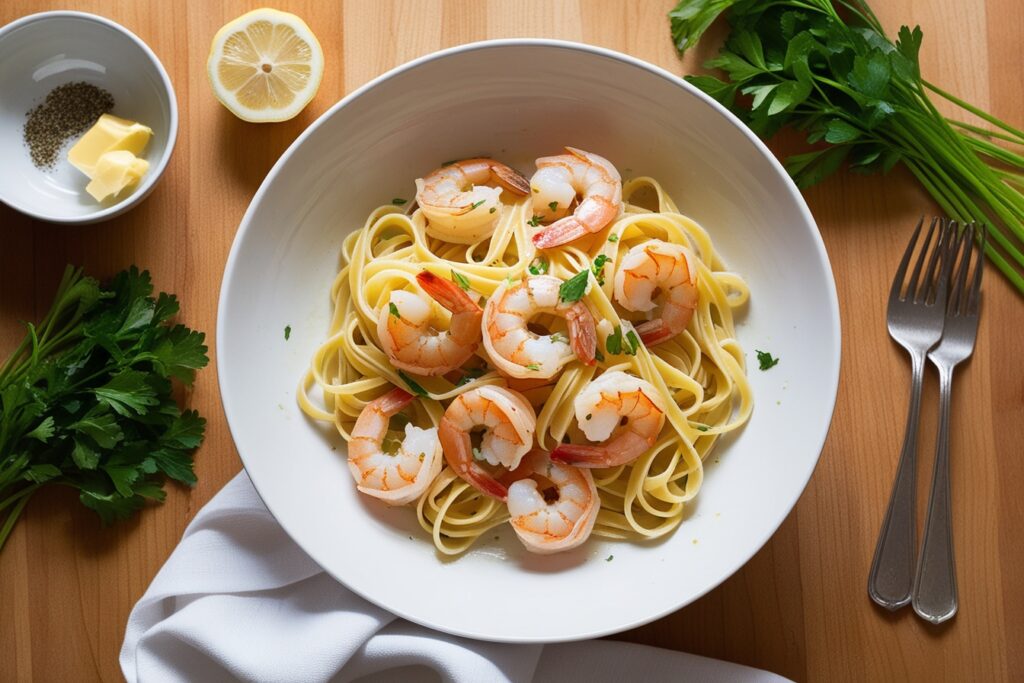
[[68, 111]]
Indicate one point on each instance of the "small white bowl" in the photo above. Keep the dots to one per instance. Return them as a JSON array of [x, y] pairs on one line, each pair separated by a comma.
[[42, 51]]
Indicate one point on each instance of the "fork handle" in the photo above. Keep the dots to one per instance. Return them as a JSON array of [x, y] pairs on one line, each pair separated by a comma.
[[891, 580], [935, 595]]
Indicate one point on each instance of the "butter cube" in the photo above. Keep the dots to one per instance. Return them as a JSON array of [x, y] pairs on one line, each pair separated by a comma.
[[108, 134], [115, 171]]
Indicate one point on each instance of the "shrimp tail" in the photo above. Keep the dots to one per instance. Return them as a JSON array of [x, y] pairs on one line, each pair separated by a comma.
[[510, 179], [582, 334], [393, 401], [562, 231], [582, 455], [447, 293], [654, 332]]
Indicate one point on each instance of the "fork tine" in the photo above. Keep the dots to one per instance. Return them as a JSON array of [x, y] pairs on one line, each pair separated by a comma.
[[901, 271], [913, 288], [932, 286], [961, 260], [975, 296]]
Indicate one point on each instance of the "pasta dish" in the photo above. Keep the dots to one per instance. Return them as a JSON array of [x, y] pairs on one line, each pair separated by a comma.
[[555, 353]]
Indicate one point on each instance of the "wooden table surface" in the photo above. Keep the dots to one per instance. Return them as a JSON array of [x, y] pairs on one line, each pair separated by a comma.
[[800, 607]]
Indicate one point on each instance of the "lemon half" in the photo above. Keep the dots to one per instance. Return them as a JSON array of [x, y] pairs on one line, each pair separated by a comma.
[[265, 66]]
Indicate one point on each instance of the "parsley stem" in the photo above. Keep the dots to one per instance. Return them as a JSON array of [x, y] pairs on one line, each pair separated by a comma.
[[12, 517], [980, 113], [985, 132]]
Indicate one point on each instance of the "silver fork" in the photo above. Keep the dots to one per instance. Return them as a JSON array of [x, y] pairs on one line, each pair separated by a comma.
[[935, 597], [915, 320]]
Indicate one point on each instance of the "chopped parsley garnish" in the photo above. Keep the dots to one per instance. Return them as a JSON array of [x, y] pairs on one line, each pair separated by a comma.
[[609, 558], [590, 415], [287, 332], [574, 288], [598, 355], [393, 309], [538, 267], [613, 343], [634, 342], [461, 280], [476, 204], [553, 206], [533, 366], [535, 221], [613, 237], [701, 428], [598, 267], [558, 337], [416, 388], [766, 361], [493, 209], [469, 376], [398, 201]]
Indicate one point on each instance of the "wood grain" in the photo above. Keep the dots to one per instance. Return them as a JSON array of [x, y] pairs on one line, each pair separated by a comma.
[[799, 607]]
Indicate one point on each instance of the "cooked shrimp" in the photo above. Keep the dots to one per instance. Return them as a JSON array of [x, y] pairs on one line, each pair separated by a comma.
[[614, 402], [460, 200], [508, 423], [552, 506], [400, 477], [520, 352], [408, 338], [556, 184], [658, 266]]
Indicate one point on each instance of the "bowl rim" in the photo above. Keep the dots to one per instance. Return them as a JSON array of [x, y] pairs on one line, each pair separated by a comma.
[[832, 381], [149, 182]]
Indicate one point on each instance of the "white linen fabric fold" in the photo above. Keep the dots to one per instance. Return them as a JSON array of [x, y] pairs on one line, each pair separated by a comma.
[[238, 600]]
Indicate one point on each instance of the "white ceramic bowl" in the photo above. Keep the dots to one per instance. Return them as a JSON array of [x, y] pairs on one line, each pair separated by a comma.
[[40, 52], [518, 99]]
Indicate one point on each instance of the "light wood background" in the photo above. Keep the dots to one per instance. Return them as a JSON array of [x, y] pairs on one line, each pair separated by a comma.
[[800, 607]]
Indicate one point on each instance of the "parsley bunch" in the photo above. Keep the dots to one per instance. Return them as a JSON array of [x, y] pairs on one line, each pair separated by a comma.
[[827, 68], [86, 399]]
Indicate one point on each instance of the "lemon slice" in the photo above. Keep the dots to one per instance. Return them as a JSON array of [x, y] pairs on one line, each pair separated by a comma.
[[265, 66]]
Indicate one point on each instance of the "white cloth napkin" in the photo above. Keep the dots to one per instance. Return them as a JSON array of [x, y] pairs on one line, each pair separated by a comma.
[[238, 599]]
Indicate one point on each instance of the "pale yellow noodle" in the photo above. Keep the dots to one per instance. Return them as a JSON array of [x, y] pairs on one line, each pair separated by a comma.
[[701, 370]]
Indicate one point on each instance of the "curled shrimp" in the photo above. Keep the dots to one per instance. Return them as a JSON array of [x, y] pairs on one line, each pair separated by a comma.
[[618, 405], [658, 266], [460, 199], [410, 341], [519, 351], [553, 506], [508, 423], [556, 184], [400, 477]]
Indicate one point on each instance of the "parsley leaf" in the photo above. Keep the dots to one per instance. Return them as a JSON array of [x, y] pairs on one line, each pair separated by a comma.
[[461, 280], [634, 342], [598, 267], [539, 266], [553, 206], [533, 366], [476, 204], [613, 343], [574, 288], [765, 360], [613, 237], [398, 201], [287, 332], [393, 310], [413, 385]]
